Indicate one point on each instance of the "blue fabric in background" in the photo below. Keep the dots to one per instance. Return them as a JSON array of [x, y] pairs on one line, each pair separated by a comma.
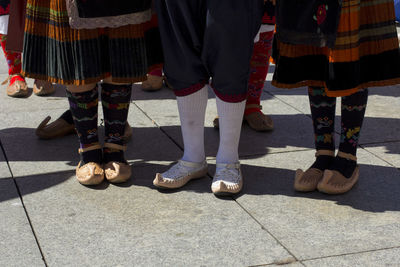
[[397, 9]]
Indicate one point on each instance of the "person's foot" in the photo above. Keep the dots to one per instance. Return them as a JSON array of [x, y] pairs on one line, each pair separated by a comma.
[[42, 88], [227, 180], [259, 121], [180, 174], [17, 86], [116, 168], [64, 125], [89, 170], [153, 83], [342, 176], [90, 173], [308, 181]]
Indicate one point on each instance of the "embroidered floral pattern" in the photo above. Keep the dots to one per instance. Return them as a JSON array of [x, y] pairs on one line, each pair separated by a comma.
[[320, 16], [351, 135], [324, 138], [325, 122]]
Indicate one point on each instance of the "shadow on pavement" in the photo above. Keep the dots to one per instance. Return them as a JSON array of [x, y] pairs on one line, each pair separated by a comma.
[[374, 193], [292, 132], [370, 194]]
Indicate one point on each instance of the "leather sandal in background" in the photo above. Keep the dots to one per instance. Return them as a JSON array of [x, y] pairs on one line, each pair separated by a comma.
[[42, 88], [153, 83], [17, 86]]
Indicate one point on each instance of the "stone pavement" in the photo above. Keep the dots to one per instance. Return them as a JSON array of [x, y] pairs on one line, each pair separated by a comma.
[[48, 219]]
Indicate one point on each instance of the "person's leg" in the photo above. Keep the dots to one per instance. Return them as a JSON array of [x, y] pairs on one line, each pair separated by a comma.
[[115, 100], [323, 110], [154, 53], [323, 116], [230, 22], [192, 109], [17, 86], [344, 172], [182, 25], [259, 65], [83, 101]]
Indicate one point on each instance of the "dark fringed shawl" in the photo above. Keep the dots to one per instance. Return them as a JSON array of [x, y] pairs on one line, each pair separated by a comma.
[[308, 22], [4, 7], [106, 8]]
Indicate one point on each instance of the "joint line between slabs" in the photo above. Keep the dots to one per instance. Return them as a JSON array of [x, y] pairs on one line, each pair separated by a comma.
[[351, 253], [370, 152], [278, 264], [262, 227], [23, 206], [30, 223], [159, 127], [266, 230], [286, 103]]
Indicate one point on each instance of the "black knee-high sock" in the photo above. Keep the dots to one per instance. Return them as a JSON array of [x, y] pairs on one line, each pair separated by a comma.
[[323, 116], [115, 100], [84, 110], [353, 112]]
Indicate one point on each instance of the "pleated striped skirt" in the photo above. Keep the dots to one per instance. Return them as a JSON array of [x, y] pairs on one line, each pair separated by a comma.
[[55, 52], [366, 53]]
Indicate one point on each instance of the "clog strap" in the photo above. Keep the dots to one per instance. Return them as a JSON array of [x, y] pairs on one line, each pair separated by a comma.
[[347, 156], [90, 148]]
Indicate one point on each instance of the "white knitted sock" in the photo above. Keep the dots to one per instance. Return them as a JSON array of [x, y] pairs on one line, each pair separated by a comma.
[[192, 109], [230, 124]]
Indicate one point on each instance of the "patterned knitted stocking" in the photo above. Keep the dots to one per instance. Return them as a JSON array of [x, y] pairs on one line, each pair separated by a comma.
[[353, 112], [115, 100], [84, 109], [323, 116]]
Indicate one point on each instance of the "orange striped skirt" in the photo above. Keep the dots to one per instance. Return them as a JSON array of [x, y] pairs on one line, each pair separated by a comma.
[[55, 52], [366, 53]]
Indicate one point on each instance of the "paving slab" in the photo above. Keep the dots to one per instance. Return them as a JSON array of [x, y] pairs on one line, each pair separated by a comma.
[[17, 243], [389, 152], [382, 124], [164, 112], [387, 257], [314, 225], [28, 155], [134, 224]]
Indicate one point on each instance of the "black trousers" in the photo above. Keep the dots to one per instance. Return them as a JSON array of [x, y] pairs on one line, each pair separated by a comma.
[[205, 39]]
